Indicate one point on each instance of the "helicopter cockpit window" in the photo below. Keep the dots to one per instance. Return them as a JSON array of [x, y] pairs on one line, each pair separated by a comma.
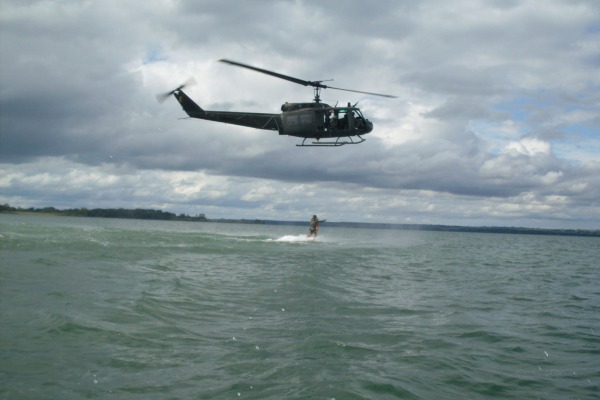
[[359, 120]]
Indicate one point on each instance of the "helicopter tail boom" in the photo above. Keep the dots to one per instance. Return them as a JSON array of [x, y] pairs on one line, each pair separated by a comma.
[[189, 106], [270, 122]]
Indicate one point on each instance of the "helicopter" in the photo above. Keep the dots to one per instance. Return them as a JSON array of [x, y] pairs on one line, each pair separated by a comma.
[[320, 123]]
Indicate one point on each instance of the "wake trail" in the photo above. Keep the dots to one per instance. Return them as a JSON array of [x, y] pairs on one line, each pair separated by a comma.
[[295, 239]]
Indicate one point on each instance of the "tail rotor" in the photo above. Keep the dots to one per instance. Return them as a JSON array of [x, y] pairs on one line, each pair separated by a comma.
[[161, 97]]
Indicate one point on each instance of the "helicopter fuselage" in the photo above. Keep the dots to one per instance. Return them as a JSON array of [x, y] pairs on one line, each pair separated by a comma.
[[319, 120], [303, 120]]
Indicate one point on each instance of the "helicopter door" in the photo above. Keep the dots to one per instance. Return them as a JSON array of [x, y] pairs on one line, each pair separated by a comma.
[[298, 122], [323, 121]]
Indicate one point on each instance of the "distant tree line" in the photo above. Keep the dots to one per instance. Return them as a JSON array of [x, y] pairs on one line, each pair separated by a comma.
[[137, 213]]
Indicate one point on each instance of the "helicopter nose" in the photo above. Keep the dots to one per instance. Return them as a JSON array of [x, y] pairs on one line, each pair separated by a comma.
[[369, 126]]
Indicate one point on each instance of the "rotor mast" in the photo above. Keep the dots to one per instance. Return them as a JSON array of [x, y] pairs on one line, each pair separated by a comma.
[[317, 94]]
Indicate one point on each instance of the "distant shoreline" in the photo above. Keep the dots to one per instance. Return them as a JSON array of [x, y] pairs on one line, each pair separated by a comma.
[[149, 214]]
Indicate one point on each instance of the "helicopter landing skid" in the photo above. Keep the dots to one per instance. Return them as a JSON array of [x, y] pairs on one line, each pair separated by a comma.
[[337, 143]]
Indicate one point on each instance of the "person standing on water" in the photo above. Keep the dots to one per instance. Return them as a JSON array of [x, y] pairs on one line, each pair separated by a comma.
[[314, 226]]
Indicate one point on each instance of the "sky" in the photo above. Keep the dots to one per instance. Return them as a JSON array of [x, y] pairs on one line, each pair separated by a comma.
[[496, 120]]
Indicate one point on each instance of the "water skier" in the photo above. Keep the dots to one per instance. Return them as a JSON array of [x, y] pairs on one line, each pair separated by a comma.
[[314, 226]]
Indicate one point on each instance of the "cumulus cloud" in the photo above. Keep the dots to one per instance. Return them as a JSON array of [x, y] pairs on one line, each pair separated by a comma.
[[496, 120]]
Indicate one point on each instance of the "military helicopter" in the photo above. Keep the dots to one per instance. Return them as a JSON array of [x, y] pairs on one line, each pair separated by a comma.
[[337, 126]]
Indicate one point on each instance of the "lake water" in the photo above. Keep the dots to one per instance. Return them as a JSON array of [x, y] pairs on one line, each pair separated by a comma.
[[107, 308]]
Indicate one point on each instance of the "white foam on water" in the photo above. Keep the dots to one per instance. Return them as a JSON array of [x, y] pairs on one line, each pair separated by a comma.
[[294, 239]]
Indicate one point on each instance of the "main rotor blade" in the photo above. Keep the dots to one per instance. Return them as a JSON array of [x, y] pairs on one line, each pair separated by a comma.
[[360, 91], [302, 82], [275, 74]]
